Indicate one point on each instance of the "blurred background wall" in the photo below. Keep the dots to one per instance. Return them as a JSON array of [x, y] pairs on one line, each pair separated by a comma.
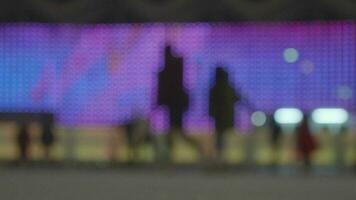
[[91, 143]]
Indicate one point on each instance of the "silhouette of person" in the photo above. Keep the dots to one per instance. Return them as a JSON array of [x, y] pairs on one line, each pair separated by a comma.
[[306, 143], [137, 133], [222, 99], [47, 139], [340, 145], [23, 141], [276, 133], [173, 95]]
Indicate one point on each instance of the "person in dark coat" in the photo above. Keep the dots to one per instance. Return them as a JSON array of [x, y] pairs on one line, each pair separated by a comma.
[[306, 143], [171, 91], [47, 139], [275, 138], [23, 140], [222, 101], [173, 95]]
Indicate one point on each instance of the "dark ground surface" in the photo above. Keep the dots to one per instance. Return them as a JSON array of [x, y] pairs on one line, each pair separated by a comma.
[[21, 183]]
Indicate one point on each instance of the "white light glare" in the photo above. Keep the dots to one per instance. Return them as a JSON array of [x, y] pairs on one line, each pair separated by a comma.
[[291, 55], [330, 116], [258, 118], [288, 116]]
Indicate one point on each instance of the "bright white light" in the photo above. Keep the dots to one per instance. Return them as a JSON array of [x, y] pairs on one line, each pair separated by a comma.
[[258, 118], [288, 116], [330, 116], [291, 55]]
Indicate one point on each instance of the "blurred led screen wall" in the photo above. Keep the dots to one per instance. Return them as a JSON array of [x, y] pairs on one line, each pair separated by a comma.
[[104, 74]]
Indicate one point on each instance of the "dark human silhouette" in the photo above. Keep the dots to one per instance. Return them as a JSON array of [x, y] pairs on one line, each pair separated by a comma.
[[275, 137], [47, 139], [23, 141], [137, 133], [340, 146], [222, 101], [173, 95], [171, 92], [306, 144]]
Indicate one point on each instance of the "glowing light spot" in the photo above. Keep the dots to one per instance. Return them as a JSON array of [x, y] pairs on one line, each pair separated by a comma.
[[330, 116], [291, 55], [307, 67], [258, 118], [288, 116], [344, 92]]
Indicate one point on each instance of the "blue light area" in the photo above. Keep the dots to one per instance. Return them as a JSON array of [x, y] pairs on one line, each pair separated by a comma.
[[102, 74]]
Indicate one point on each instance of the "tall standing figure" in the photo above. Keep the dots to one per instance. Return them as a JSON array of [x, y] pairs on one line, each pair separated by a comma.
[[222, 99], [47, 136], [275, 139], [23, 140], [173, 95], [306, 143]]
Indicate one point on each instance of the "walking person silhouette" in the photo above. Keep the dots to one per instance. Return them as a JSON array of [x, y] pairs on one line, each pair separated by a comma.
[[173, 95], [23, 140], [222, 99]]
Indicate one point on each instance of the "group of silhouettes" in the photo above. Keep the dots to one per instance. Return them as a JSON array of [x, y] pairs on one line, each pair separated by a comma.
[[306, 143], [24, 139], [222, 101], [172, 95]]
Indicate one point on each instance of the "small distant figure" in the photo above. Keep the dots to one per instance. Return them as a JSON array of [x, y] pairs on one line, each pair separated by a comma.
[[222, 101], [47, 140], [23, 140], [306, 144], [137, 133], [276, 133], [340, 145]]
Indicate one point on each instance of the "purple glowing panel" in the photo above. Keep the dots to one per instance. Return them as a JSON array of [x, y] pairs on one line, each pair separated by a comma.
[[104, 74]]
